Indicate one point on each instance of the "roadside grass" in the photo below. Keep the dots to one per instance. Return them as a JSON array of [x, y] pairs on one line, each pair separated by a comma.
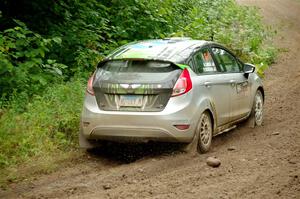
[[46, 132]]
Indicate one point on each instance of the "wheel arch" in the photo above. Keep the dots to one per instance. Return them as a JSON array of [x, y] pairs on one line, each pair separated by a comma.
[[211, 109], [207, 104], [212, 118]]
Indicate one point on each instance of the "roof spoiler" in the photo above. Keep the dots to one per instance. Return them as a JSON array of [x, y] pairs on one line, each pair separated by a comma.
[[181, 66]]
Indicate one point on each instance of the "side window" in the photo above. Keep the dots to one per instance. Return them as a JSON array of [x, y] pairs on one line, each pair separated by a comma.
[[190, 63], [204, 62], [227, 62]]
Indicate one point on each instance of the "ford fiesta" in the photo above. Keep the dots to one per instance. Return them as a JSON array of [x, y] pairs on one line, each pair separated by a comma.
[[169, 90]]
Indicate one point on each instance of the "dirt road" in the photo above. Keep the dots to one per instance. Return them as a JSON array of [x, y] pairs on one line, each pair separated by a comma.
[[264, 164]]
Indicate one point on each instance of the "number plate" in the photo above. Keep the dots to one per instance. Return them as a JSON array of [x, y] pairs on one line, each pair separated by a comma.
[[131, 100]]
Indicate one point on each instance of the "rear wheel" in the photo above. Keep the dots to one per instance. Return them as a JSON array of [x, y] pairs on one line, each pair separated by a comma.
[[203, 135]]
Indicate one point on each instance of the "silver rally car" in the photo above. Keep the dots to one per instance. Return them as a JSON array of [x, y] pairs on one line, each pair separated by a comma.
[[169, 90]]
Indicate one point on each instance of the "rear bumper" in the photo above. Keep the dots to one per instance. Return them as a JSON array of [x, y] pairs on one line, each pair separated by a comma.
[[132, 134], [140, 126]]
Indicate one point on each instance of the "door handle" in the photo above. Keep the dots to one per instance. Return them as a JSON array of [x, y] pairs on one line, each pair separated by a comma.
[[207, 84]]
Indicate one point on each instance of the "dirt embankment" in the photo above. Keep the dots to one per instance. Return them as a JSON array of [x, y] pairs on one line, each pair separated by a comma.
[[264, 164]]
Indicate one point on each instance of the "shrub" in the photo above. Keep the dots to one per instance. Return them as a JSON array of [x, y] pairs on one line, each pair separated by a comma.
[[240, 28], [50, 124], [25, 67]]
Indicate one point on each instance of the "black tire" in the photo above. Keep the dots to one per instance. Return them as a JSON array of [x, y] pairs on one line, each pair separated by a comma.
[[256, 116], [205, 132]]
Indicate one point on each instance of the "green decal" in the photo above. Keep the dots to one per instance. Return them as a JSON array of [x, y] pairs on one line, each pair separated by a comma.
[[137, 53], [182, 66]]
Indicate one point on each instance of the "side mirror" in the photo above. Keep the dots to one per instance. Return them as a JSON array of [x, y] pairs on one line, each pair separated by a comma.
[[248, 68]]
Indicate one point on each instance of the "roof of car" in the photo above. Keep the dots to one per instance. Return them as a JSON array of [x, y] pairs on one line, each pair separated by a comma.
[[176, 50]]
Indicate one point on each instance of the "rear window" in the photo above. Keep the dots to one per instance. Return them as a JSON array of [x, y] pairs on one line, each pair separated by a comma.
[[142, 66]]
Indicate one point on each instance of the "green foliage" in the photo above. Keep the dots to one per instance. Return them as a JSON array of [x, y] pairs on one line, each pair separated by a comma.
[[24, 64], [49, 125], [89, 29], [240, 28]]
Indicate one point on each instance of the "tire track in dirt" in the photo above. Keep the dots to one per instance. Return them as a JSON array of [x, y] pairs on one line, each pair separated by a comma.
[[265, 164]]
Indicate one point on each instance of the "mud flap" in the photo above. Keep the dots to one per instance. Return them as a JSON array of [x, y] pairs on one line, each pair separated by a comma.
[[85, 143], [250, 121], [192, 147]]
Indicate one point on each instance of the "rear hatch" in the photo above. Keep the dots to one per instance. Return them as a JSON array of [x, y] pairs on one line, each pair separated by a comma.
[[134, 85]]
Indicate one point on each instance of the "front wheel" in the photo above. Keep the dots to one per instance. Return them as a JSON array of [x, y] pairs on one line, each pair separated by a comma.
[[257, 109]]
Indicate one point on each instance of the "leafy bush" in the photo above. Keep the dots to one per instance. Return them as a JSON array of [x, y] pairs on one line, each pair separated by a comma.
[[89, 29], [25, 67], [240, 28], [50, 124]]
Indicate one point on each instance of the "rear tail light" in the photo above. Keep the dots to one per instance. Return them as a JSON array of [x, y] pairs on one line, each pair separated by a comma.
[[89, 88], [183, 84]]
